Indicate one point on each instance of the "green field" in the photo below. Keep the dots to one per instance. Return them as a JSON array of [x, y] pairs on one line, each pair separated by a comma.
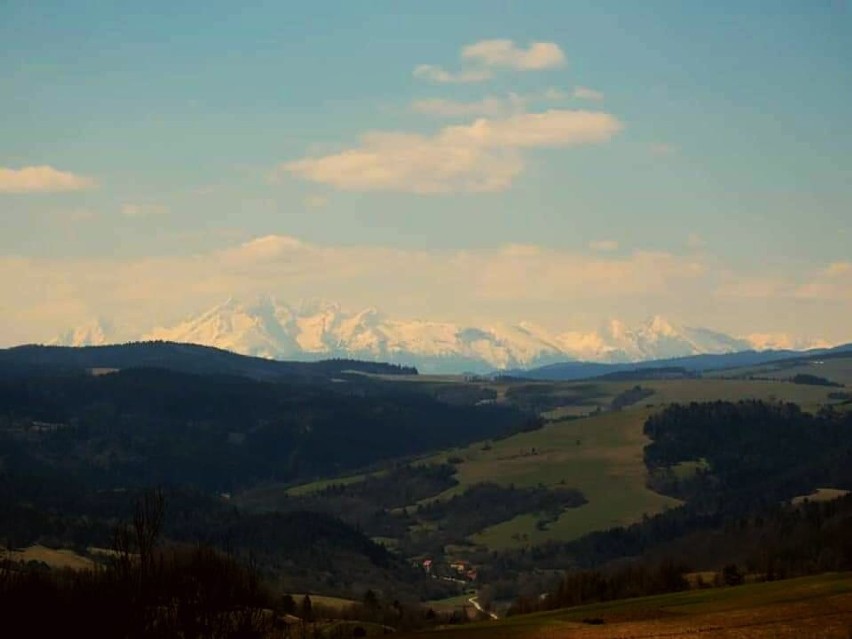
[[598, 454], [267, 497], [835, 369], [716, 389], [450, 603], [809, 607]]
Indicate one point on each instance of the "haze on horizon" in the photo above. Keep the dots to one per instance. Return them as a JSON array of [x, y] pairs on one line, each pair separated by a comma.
[[552, 162]]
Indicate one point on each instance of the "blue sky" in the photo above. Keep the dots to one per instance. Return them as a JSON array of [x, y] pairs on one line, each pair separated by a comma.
[[652, 140]]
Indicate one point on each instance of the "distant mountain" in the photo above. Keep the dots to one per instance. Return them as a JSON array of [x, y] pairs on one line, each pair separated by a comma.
[[566, 371], [94, 333], [313, 330]]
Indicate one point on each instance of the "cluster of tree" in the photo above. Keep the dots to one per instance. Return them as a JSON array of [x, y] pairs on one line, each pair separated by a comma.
[[814, 380], [387, 614], [75, 448], [142, 592], [540, 397], [636, 579], [752, 453], [189, 591], [659, 372], [298, 550], [843, 398], [754, 458], [630, 397], [774, 543], [488, 503], [380, 506], [187, 358], [371, 504], [151, 427], [458, 393]]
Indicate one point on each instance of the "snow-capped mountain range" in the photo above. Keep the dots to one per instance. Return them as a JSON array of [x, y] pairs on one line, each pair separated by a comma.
[[320, 329]]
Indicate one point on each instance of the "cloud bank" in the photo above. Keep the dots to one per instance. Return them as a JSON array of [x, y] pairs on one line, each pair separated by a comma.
[[42, 179], [433, 73], [485, 56], [505, 53], [479, 157], [559, 288]]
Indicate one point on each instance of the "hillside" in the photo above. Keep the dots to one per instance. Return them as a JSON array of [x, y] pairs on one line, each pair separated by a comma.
[[186, 358], [819, 607], [517, 479], [150, 426]]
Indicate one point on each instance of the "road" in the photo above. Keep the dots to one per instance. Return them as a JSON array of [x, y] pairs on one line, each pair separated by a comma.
[[473, 601]]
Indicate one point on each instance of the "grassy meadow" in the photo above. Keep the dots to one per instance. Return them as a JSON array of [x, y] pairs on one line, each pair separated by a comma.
[[584, 445], [836, 369], [600, 456], [808, 607], [54, 557]]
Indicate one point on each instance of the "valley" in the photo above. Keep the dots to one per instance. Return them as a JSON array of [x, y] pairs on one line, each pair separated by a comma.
[[342, 478]]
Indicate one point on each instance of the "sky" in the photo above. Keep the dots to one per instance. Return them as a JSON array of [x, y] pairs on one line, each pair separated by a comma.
[[562, 162]]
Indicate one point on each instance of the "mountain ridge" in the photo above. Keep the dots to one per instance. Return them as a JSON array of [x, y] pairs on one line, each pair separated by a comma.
[[320, 329]]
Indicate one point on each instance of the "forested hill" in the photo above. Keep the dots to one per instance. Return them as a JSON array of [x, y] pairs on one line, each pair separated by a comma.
[[214, 432], [187, 358]]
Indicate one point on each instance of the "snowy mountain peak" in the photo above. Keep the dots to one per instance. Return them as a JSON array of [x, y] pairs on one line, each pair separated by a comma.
[[318, 328], [317, 305], [660, 326], [94, 333]]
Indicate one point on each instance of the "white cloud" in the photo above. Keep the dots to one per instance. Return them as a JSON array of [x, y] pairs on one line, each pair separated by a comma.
[[488, 106], [262, 249], [42, 179], [482, 156], [505, 53], [437, 74], [143, 210], [46, 296], [485, 55], [603, 245], [585, 93]]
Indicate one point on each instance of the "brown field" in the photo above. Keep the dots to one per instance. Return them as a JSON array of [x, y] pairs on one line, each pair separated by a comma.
[[821, 494], [330, 603], [55, 558], [810, 607]]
